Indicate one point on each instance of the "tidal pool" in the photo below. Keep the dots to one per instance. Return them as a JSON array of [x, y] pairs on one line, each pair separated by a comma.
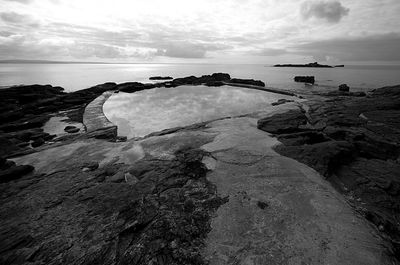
[[148, 111]]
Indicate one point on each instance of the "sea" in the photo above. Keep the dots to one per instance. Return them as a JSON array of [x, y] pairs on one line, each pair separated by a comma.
[[74, 77]]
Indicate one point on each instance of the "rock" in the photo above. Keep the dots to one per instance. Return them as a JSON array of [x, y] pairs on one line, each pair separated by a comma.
[[90, 166], [355, 143], [281, 101], [7, 164], [221, 77], [344, 88], [309, 65], [262, 205], [302, 138], [215, 83], [80, 220], [38, 142], [122, 139], [14, 172], [305, 79], [130, 87], [344, 93], [71, 129], [130, 179], [326, 157], [7, 147], [117, 178], [160, 78], [287, 122], [247, 82], [108, 133]]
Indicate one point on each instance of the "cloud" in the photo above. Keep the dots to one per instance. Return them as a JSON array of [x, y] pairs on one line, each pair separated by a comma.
[[384, 47], [187, 50], [271, 52], [17, 18], [82, 50], [22, 1], [331, 11]]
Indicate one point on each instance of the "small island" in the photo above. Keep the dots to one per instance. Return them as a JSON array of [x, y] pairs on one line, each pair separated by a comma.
[[161, 78], [308, 65]]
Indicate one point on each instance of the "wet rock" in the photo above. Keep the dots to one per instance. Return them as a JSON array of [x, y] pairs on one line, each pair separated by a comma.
[[6, 164], [80, 220], [130, 179], [130, 87], [215, 83], [325, 157], [71, 129], [305, 79], [355, 143], [122, 138], [344, 88], [38, 142], [14, 172], [281, 101], [90, 166], [119, 177], [247, 82], [287, 122], [302, 138], [262, 205], [108, 133]]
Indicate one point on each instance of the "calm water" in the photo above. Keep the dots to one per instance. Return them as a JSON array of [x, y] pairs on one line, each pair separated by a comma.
[[141, 113], [78, 76]]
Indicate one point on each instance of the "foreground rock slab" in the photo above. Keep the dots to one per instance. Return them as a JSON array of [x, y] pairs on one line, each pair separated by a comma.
[[355, 144], [279, 211]]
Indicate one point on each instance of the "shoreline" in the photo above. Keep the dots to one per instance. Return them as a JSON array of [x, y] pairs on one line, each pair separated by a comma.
[[94, 171]]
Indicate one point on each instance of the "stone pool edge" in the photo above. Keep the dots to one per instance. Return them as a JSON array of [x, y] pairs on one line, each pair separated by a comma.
[[96, 122], [99, 126]]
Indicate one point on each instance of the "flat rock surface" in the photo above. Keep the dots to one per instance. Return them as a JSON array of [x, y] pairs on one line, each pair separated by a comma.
[[217, 193], [279, 211]]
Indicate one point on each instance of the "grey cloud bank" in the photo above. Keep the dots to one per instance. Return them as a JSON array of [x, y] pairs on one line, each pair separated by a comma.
[[331, 11], [238, 32], [370, 48]]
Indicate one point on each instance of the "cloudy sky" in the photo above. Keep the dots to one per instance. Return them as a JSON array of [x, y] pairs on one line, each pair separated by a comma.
[[209, 31]]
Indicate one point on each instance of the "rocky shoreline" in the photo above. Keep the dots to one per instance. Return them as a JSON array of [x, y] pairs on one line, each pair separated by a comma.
[[85, 198], [355, 143]]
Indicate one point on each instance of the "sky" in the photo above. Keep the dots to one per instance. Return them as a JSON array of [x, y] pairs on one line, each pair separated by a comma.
[[202, 31]]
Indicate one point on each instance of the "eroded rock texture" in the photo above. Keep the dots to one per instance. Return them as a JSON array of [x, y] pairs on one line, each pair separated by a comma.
[[95, 217], [355, 143]]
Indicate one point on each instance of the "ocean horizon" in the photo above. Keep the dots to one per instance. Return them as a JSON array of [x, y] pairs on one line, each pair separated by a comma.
[[75, 76]]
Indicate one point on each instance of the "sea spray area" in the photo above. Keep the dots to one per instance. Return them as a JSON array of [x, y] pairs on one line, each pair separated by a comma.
[[307, 176]]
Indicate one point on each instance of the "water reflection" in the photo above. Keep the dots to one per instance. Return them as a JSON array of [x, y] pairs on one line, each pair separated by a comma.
[[153, 110]]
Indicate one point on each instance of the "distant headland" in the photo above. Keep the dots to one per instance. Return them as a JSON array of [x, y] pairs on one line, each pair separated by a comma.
[[308, 65]]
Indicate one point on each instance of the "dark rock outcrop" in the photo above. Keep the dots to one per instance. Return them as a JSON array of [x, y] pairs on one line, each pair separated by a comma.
[[305, 79], [25, 109], [132, 87], [309, 65], [287, 122], [281, 101], [161, 78], [344, 88], [71, 129], [247, 82], [10, 171], [355, 143]]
